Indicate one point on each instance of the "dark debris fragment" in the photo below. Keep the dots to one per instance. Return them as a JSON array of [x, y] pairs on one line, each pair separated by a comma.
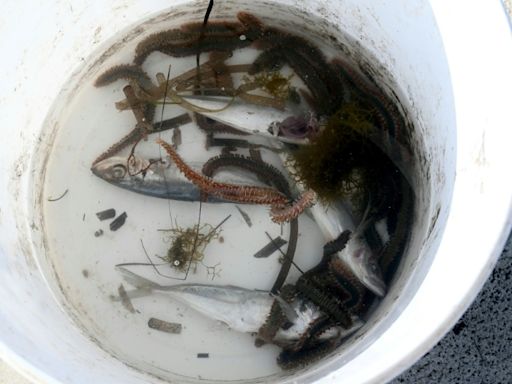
[[125, 300], [245, 216], [164, 326], [106, 214], [50, 199], [459, 327], [118, 222], [270, 248]]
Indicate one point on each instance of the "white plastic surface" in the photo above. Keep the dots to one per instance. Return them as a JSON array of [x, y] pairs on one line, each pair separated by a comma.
[[457, 82]]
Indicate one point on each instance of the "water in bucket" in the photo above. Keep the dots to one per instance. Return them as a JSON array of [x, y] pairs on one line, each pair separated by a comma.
[[196, 218]]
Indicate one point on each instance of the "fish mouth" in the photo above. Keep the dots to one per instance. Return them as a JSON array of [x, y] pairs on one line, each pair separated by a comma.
[[95, 170], [99, 168], [376, 285], [112, 170]]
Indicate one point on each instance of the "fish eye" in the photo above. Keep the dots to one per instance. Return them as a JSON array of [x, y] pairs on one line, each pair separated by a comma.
[[176, 263], [118, 171]]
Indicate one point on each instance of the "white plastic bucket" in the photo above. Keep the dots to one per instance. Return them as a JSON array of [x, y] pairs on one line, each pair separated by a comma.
[[453, 75]]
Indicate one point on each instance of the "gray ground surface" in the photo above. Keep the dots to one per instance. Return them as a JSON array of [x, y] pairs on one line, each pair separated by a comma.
[[479, 347]]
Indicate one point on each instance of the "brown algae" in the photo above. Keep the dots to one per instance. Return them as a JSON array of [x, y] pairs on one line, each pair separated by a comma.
[[188, 246], [343, 161]]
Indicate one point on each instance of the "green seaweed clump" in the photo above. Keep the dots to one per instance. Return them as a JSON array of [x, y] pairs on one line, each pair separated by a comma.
[[273, 83], [342, 161], [188, 245]]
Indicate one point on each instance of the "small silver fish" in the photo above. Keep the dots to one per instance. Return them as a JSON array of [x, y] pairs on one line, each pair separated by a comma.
[[357, 255], [241, 309], [249, 118], [159, 178]]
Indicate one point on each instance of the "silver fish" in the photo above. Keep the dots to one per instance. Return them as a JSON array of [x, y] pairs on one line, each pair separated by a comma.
[[241, 309], [160, 178], [357, 255], [249, 118]]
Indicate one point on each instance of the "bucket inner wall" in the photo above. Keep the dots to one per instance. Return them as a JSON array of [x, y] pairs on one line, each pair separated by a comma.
[[417, 74]]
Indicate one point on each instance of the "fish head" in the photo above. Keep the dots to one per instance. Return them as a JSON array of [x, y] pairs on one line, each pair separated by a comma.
[[117, 169], [154, 177], [363, 263], [129, 170]]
